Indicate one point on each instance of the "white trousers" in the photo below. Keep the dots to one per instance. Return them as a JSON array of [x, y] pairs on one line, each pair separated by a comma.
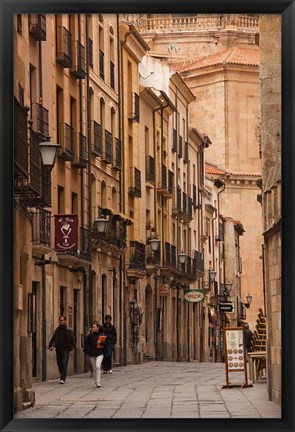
[[96, 365]]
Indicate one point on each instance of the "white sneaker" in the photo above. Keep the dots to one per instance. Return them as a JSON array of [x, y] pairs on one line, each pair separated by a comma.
[[110, 371], [62, 381], [97, 385]]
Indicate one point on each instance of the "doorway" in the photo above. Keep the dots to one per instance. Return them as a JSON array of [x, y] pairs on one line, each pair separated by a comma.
[[33, 318]]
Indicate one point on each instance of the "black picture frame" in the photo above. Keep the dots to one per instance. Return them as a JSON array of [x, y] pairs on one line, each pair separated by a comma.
[[7, 9]]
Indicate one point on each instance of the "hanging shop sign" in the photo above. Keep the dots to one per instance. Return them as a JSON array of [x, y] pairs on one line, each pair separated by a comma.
[[235, 355], [194, 296], [226, 307], [66, 232]]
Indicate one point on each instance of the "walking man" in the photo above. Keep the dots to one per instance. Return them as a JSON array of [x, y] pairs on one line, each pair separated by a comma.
[[63, 341], [111, 334], [248, 338]]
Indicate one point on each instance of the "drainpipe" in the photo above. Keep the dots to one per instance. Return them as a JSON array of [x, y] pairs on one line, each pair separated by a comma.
[[155, 220], [87, 280], [122, 362]]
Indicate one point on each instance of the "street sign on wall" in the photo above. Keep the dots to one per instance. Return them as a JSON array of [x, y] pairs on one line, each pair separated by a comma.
[[194, 296]]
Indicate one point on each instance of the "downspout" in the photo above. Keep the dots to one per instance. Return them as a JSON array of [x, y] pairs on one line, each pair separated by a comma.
[[155, 219], [189, 238], [177, 223], [122, 358], [86, 273]]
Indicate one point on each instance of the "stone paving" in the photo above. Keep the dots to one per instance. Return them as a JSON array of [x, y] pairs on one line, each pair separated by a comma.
[[153, 390]]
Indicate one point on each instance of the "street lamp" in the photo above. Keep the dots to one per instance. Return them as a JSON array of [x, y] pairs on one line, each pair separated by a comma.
[[228, 288], [155, 244], [182, 257], [101, 224], [249, 300], [48, 152], [212, 275]]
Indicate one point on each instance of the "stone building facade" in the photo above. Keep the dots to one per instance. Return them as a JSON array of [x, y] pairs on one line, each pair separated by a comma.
[[270, 132]]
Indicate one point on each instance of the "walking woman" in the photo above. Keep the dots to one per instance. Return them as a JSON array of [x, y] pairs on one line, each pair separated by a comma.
[[95, 350]]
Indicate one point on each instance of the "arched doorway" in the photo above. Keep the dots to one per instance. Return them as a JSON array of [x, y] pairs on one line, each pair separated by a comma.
[[149, 323]]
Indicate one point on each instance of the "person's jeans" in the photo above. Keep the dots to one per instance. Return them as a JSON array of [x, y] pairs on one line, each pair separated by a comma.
[[96, 363], [107, 360], [62, 358]]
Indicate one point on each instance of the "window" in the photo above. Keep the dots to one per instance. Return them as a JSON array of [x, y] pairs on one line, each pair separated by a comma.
[[112, 58], [19, 24], [101, 46], [61, 200], [103, 194]]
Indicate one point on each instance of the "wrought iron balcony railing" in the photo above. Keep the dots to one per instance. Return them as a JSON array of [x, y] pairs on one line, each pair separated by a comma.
[[20, 135], [40, 121], [134, 113], [112, 75], [115, 232], [117, 162], [35, 164], [80, 158], [137, 257], [170, 256], [37, 26], [41, 227], [199, 259], [135, 189], [64, 47], [170, 181], [96, 138], [150, 169], [90, 52], [78, 69], [174, 144], [107, 150], [66, 152], [179, 153], [163, 176], [194, 190], [101, 64]]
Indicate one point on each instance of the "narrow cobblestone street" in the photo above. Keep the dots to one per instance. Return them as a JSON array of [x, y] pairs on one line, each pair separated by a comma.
[[153, 390]]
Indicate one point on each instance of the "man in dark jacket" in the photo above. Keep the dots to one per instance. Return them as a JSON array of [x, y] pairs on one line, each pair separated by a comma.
[[63, 340], [111, 334], [248, 338]]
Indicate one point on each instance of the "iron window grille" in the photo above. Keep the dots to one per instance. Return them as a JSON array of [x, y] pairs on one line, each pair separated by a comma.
[[37, 26], [179, 154], [35, 164], [163, 184], [90, 52], [137, 251], [64, 47], [170, 181], [85, 244], [199, 257]]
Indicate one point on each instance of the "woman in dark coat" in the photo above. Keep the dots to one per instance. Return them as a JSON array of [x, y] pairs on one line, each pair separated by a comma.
[[95, 351]]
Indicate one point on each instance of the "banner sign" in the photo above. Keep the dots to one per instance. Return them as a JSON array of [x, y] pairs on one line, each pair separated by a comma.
[[66, 232], [194, 296]]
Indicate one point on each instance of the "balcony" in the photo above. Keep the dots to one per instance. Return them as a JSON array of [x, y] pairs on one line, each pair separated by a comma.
[[66, 152], [37, 26], [80, 158], [96, 138], [136, 268], [153, 260], [40, 121], [101, 64], [78, 69], [169, 264], [163, 188], [81, 256], [182, 206], [107, 150], [134, 113], [135, 188], [150, 172], [117, 161], [199, 262], [64, 47], [41, 232], [113, 239], [20, 135]]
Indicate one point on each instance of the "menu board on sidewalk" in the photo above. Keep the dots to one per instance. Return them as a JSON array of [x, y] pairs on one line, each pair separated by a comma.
[[235, 354]]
